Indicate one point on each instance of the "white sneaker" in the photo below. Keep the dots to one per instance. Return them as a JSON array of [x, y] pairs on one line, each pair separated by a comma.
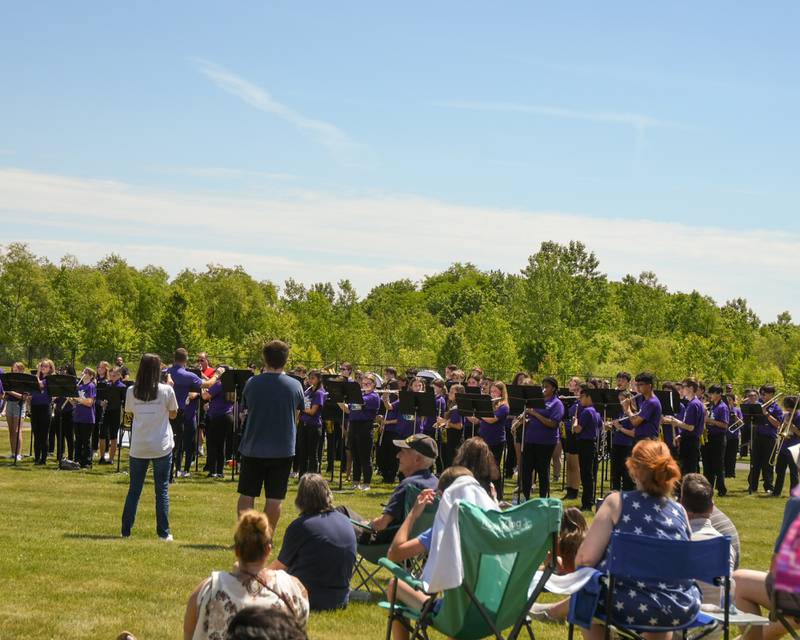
[[293, 474], [19, 457], [169, 538], [365, 487]]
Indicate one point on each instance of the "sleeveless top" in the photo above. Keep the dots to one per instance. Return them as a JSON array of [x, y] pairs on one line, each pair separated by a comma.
[[224, 596], [658, 603]]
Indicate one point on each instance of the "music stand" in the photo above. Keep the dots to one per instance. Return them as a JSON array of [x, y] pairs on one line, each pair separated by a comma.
[[472, 391], [61, 386], [343, 392], [670, 401], [122, 423], [233, 381], [19, 383]]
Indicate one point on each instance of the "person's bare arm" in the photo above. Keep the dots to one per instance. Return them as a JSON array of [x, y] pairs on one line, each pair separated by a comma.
[[190, 616], [594, 545], [380, 523]]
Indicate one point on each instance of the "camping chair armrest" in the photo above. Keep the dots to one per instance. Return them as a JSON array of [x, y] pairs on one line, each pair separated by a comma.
[[361, 525], [401, 574]]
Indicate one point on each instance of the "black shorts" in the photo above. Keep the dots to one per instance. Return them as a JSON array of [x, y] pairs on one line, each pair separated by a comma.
[[570, 444], [110, 426], [270, 473]]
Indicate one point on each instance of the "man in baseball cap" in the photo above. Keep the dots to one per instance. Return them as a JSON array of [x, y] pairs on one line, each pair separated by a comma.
[[416, 455]]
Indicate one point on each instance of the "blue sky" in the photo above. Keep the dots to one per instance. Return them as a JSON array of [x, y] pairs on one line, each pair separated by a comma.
[[377, 140]]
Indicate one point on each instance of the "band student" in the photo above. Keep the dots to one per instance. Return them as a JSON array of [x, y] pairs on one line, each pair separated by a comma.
[[621, 446], [187, 387], [540, 438], [570, 443], [361, 418], [784, 459], [587, 427], [40, 413], [15, 412], [692, 426], [765, 439], [717, 427], [453, 425], [83, 418], [646, 421], [493, 429], [309, 431], [111, 420]]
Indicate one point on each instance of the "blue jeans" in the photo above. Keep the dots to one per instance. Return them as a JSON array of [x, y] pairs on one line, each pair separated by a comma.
[[138, 470]]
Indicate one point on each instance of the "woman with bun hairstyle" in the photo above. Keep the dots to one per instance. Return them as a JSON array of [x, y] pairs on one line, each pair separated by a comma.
[[647, 511], [218, 598]]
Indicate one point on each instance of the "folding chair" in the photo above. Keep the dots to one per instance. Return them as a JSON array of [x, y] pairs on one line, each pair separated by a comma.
[[368, 555], [636, 558], [780, 611], [500, 553]]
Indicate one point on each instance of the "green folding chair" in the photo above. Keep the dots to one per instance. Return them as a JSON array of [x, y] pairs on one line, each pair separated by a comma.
[[500, 552], [368, 556]]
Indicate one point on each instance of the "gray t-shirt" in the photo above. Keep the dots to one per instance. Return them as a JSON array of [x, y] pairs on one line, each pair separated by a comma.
[[272, 401]]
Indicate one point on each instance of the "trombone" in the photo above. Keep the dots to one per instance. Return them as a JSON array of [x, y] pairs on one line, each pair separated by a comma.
[[784, 432]]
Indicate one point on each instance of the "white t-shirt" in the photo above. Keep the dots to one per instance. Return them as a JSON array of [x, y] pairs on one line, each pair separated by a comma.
[[151, 433]]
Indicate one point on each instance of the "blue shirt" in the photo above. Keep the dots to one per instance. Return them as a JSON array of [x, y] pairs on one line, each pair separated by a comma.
[[272, 401], [396, 507], [320, 551], [425, 539]]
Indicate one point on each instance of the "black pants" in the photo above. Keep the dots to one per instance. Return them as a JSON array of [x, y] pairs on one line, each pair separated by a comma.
[[497, 452], [785, 461], [714, 464], [308, 437], [334, 444], [40, 426], [217, 429], [83, 443], [511, 454], [96, 433], [689, 455], [620, 480], [762, 449], [454, 438], [731, 454], [67, 435], [587, 457], [388, 455], [536, 457], [360, 437]]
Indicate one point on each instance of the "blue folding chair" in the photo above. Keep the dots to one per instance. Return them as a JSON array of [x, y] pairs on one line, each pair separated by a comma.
[[643, 558]]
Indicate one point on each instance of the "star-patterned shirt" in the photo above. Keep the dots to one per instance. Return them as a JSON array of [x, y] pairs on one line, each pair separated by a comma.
[[659, 604]]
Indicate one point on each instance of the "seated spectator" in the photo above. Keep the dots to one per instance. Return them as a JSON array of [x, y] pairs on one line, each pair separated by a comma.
[[725, 526], [217, 599], [259, 623], [697, 498], [416, 456], [754, 589], [319, 547], [404, 547], [648, 511], [476, 456], [570, 537]]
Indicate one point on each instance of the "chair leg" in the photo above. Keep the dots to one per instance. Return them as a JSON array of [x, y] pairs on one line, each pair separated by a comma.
[[571, 631], [789, 628]]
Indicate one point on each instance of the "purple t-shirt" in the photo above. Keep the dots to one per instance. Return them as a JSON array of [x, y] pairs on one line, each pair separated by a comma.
[[428, 422], [792, 439], [619, 438], [313, 399], [41, 397], [455, 416], [219, 404], [494, 433], [367, 410], [722, 413], [391, 414], [405, 422], [184, 382], [591, 423], [767, 429], [695, 414], [650, 412], [574, 410], [82, 414], [536, 432]]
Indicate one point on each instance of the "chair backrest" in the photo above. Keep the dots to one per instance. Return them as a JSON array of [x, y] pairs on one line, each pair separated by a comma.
[[425, 521], [500, 553], [664, 560]]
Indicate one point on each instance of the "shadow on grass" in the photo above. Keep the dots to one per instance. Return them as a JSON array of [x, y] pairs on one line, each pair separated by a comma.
[[92, 536], [208, 547]]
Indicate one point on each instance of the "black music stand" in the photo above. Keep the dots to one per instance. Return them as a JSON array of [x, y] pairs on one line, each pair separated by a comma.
[[23, 383], [61, 386], [343, 392], [121, 428], [472, 391], [233, 381], [332, 413], [670, 401]]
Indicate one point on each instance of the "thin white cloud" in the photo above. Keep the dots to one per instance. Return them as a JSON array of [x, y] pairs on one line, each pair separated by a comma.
[[316, 236], [325, 132], [6, 152], [221, 173]]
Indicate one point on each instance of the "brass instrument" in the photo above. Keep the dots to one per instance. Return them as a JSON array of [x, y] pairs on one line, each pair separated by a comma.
[[774, 398], [734, 426], [783, 433], [517, 422]]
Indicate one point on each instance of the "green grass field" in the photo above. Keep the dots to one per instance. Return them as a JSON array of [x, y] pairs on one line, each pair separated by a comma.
[[66, 573]]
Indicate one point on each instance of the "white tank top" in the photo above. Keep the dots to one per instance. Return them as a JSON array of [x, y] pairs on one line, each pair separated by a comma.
[[224, 595]]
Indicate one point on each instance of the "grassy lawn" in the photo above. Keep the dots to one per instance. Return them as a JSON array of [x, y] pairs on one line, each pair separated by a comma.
[[67, 574]]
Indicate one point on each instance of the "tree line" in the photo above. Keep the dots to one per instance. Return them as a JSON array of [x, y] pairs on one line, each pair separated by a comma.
[[560, 314]]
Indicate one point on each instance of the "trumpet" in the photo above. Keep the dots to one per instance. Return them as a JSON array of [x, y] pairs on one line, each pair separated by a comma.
[[783, 433], [734, 426]]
